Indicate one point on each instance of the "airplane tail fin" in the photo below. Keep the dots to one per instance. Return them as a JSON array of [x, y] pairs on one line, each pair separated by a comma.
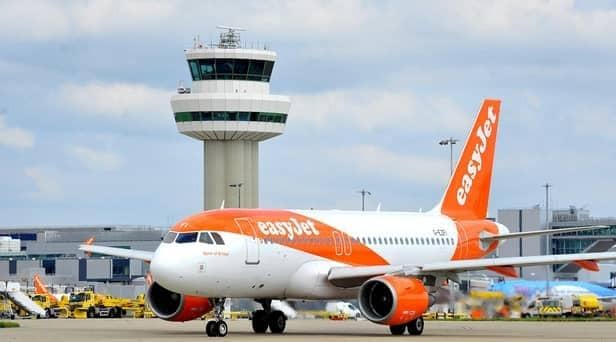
[[39, 287], [469, 187]]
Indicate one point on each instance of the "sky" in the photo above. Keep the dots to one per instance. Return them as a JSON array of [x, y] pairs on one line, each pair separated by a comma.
[[87, 134]]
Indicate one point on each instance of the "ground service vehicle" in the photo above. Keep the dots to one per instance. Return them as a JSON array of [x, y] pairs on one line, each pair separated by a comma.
[[93, 305], [393, 263], [342, 309]]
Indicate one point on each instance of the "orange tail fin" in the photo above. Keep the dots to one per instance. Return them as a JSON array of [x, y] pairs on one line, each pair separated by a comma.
[[89, 241], [468, 192], [39, 287]]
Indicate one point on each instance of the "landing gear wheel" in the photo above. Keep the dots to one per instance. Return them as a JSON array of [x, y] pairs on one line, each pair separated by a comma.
[[397, 329], [416, 327], [259, 321], [210, 329], [221, 328], [91, 312], [277, 321]]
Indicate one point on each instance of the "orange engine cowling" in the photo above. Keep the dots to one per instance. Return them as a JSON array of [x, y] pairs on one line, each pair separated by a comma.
[[393, 300], [176, 307]]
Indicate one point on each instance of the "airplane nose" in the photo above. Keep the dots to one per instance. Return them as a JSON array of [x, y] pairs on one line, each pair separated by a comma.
[[165, 268]]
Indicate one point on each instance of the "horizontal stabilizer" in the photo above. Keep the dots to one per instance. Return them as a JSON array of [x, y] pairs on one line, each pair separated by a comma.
[[491, 238], [118, 252]]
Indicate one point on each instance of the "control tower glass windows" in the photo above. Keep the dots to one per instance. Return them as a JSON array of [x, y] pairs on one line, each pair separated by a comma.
[[228, 68], [231, 116], [194, 70], [240, 69], [224, 69], [207, 69]]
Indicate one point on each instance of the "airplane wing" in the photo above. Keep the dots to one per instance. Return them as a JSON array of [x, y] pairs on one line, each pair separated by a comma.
[[355, 276], [490, 238], [119, 252]]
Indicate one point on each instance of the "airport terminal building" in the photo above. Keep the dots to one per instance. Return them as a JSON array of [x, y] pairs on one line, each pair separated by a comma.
[[527, 219], [52, 251]]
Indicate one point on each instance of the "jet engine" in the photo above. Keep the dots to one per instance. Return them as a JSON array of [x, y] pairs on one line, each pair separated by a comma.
[[393, 300], [176, 307]]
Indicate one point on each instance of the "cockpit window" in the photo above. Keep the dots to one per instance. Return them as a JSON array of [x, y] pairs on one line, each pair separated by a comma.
[[170, 237], [218, 238], [206, 238], [186, 237]]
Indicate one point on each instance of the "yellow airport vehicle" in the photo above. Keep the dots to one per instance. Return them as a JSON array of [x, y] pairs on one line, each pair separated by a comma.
[[88, 304], [53, 307], [584, 305], [549, 307]]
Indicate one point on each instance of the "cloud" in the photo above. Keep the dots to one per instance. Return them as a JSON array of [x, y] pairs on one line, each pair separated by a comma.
[[132, 102], [47, 20], [378, 161], [96, 159], [47, 186], [14, 136], [376, 109], [543, 22]]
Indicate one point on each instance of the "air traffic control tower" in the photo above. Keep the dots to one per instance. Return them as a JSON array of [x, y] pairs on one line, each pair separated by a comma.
[[229, 107]]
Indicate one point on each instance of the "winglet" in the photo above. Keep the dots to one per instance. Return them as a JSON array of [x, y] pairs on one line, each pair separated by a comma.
[[89, 242], [468, 192]]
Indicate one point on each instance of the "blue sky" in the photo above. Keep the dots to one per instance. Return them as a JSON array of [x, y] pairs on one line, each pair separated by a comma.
[[87, 135]]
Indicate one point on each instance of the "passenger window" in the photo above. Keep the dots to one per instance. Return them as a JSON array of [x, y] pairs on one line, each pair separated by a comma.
[[380, 241], [433, 241], [206, 238], [186, 237], [422, 241], [218, 239], [170, 237]]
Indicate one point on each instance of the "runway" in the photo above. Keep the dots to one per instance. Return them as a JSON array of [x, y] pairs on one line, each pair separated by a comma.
[[157, 330]]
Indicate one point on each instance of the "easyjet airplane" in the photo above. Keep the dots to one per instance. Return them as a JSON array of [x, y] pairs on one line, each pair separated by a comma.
[[392, 262]]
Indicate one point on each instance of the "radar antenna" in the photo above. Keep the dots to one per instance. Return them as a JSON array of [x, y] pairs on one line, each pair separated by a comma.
[[230, 38]]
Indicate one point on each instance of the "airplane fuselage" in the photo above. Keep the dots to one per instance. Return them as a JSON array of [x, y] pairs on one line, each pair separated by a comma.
[[288, 253]]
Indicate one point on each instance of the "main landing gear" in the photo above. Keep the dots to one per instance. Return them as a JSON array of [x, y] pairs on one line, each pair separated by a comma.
[[415, 327], [262, 319], [217, 327]]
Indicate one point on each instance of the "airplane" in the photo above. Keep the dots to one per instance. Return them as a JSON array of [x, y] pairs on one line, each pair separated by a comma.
[[393, 263]]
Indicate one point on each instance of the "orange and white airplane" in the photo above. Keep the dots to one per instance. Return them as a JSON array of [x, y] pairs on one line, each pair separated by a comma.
[[392, 262]]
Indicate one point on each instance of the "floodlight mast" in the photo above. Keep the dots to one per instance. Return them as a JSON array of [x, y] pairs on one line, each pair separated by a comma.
[[230, 39]]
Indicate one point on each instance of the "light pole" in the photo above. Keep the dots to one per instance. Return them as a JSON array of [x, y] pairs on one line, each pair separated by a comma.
[[363, 193], [450, 141], [239, 193], [547, 187]]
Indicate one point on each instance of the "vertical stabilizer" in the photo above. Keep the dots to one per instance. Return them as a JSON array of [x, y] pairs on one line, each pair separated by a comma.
[[468, 192]]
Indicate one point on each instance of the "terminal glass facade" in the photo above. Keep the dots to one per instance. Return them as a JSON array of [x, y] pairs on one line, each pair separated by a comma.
[[230, 69]]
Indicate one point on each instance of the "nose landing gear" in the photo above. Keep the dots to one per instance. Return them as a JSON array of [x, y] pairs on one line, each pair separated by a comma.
[[262, 319], [218, 327]]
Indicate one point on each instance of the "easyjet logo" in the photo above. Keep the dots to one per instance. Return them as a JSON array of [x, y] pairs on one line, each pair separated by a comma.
[[290, 228], [474, 165]]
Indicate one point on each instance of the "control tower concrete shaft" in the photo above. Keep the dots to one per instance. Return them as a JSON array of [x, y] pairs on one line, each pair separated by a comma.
[[230, 109]]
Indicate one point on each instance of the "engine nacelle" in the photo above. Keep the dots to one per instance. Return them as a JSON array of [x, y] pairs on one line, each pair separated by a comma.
[[176, 307], [393, 300]]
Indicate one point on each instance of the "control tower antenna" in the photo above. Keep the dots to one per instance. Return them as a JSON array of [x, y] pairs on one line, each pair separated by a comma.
[[230, 38]]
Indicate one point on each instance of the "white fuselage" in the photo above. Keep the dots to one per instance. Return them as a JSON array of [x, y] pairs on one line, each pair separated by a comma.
[[260, 267]]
